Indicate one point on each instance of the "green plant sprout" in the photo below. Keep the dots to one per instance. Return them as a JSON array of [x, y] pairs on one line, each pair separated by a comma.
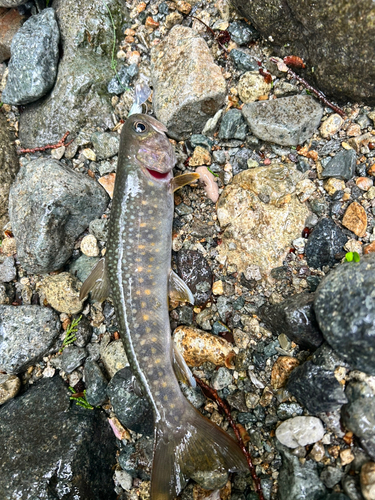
[[81, 400], [1, 103], [213, 173], [352, 256], [70, 334], [113, 60]]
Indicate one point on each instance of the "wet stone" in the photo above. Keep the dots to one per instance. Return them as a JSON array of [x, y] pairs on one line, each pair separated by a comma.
[[133, 412], [8, 270], [324, 243], [82, 267], [242, 33], [303, 165], [287, 121], [222, 378], [194, 395], [201, 140], [9, 387], [106, 144], [26, 335], [185, 315], [342, 166], [136, 459], [331, 476], [355, 219], [33, 64], [121, 81], [84, 331], [243, 61], [96, 383], [99, 228], [72, 357], [62, 292], [52, 430], [289, 410], [300, 431], [295, 318], [210, 480], [331, 126], [345, 311], [318, 206], [233, 125], [195, 271], [114, 357]]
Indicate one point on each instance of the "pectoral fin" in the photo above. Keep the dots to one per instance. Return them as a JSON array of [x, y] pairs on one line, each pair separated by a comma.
[[182, 180], [181, 369], [178, 289], [97, 283]]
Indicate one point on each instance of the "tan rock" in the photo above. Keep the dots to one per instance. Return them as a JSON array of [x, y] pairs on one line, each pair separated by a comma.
[[331, 126], [198, 346], [173, 19], [266, 397], [200, 157], [189, 87], [332, 185], [369, 248], [218, 288], [346, 457], [62, 293], [108, 182], [89, 154], [361, 140], [9, 387], [355, 219], [151, 23], [251, 86], [281, 370], [318, 452], [367, 479], [255, 233], [305, 189], [9, 246], [183, 7], [353, 130], [370, 195], [113, 356], [89, 246], [364, 183]]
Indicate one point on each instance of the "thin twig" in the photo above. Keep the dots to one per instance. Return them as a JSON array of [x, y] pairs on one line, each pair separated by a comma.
[[211, 31], [318, 93], [48, 146], [211, 393]]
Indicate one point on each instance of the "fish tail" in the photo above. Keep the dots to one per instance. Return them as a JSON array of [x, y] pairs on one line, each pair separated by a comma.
[[195, 445]]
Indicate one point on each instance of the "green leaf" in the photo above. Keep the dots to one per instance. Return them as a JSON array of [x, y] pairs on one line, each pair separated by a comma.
[[349, 257], [356, 257], [70, 336], [213, 173]]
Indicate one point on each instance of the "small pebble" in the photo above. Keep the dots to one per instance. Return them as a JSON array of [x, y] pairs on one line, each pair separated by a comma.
[[346, 457], [9, 246], [300, 431], [62, 292], [89, 246], [333, 185], [183, 7], [367, 478], [355, 219], [217, 288], [151, 23], [89, 154], [364, 183], [353, 130], [58, 153], [9, 387], [200, 157], [281, 370], [252, 86], [331, 126], [108, 182]]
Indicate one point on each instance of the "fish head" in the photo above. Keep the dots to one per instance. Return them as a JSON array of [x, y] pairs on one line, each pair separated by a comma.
[[144, 140]]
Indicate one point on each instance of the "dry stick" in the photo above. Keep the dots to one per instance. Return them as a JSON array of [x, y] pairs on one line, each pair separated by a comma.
[[48, 146], [318, 93], [211, 31], [211, 393]]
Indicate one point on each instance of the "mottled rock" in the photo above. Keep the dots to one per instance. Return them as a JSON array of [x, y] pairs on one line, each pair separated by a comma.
[[99, 228], [62, 292], [79, 99], [113, 356], [188, 86], [210, 480], [9, 387], [287, 121], [345, 310], [96, 383], [9, 167], [324, 243], [314, 383], [26, 334], [197, 347], [89, 246], [368, 480], [10, 22], [7, 269], [233, 125], [282, 368], [298, 479], [221, 378], [106, 144], [331, 126], [295, 318], [257, 233], [35, 54], [60, 203], [342, 166], [300, 431], [11, 3], [364, 183], [289, 410], [136, 459], [200, 156], [330, 26], [355, 219], [331, 476], [134, 412], [8, 246], [252, 86], [82, 267], [193, 268], [242, 33], [243, 61], [359, 414], [50, 431]]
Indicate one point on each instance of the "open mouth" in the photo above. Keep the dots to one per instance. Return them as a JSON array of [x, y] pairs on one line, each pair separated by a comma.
[[158, 175]]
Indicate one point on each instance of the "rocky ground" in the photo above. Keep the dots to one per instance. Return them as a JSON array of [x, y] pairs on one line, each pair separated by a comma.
[[281, 266]]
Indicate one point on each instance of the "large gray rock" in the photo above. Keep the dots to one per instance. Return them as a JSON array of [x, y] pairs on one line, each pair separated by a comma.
[[287, 121], [318, 31], [345, 310], [51, 448], [33, 65], [9, 167], [79, 99], [10, 23], [49, 206], [26, 335], [188, 86], [11, 3]]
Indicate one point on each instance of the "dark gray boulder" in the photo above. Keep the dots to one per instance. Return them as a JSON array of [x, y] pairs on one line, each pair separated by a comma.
[[49, 206], [318, 31], [33, 64], [26, 335], [345, 309], [51, 448], [9, 167], [341, 166], [324, 243]]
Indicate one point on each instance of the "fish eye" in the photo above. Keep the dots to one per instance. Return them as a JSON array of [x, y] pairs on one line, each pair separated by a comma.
[[139, 127]]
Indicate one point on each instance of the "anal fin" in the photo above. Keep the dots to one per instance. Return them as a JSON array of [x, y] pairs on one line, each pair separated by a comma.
[[181, 180], [97, 283], [178, 289], [181, 369]]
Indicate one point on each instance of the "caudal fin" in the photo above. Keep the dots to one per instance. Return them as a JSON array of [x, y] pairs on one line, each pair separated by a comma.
[[181, 451]]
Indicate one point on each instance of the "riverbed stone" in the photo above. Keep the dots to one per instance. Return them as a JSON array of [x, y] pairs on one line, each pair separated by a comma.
[[342, 166], [79, 99], [252, 86], [7, 269], [60, 203], [355, 219], [300, 431], [189, 87], [35, 55], [106, 144], [233, 125], [193, 268], [287, 121], [324, 243], [9, 387], [96, 383], [368, 480], [26, 335], [345, 309], [52, 430], [256, 233], [9, 167], [243, 61], [62, 292]]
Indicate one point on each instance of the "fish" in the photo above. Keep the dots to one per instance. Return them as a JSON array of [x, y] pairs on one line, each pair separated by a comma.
[[137, 273]]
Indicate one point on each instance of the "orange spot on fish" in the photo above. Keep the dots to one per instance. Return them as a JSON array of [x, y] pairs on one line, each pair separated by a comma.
[[146, 317], [147, 292], [154, 339], [141, 246], [142, 224]]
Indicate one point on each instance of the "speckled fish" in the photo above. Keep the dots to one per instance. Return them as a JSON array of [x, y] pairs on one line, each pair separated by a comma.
[[137, 271]]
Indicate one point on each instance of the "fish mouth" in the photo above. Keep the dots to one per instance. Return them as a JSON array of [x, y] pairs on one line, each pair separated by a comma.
[[158, 175]]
